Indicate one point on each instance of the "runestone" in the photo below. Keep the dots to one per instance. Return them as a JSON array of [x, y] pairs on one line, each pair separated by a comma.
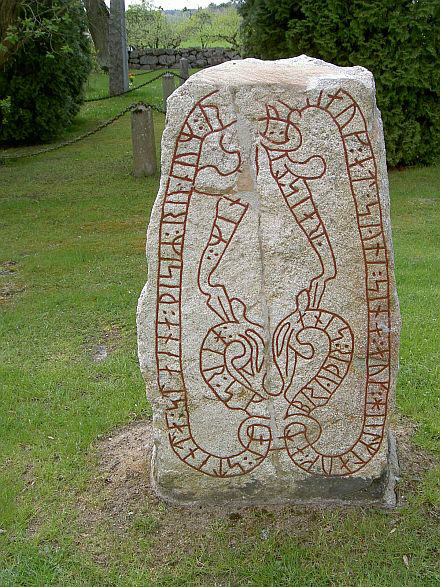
[[269, 325]]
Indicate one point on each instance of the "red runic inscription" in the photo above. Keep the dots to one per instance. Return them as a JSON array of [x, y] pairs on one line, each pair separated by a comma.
[[233, 354]]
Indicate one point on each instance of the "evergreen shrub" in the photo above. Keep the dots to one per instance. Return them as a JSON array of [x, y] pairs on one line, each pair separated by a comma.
[[41, 85], [397, 40]]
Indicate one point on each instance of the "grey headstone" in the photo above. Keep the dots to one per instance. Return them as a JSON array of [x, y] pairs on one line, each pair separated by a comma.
[[183, 69]]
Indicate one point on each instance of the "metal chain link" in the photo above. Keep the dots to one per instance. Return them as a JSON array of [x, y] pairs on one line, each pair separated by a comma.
[[85, 135], [136, 87], [166, 71], [176, 75]]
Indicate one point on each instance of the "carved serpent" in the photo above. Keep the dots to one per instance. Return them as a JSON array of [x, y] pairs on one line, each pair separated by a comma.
[[254, 433], [232, 353], [281, 139]]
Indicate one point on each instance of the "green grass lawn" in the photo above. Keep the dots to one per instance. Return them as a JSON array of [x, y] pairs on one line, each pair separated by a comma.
[[72, 230]]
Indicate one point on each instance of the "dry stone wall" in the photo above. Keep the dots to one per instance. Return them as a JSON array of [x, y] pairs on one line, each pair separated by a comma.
[[142, 58]]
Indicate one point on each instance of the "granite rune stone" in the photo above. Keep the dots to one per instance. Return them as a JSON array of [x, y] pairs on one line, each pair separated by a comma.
[[269, 325]]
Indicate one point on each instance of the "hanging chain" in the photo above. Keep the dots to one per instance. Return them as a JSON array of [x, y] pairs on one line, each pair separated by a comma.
[[100, 126], [85, 135], [163, 73], [137, 87]]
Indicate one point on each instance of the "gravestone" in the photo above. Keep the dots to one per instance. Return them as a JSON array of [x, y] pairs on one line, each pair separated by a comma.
[[183, 70], [118, 67], [269, 325], [143, 141], [168, 87]]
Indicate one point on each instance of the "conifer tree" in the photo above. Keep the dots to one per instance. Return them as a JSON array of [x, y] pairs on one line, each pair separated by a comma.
[[398, 40]]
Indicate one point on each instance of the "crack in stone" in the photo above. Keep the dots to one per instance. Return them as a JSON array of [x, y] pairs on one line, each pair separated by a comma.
[[247, 148]]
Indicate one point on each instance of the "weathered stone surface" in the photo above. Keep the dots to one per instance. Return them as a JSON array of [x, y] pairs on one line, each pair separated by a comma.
[[196, 57], [167, 59], [183, 69], [118, 67], [149, 60], [269, 325]]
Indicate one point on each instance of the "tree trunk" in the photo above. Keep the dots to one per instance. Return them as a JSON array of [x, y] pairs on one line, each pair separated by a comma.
[[8, 14], [98, 19]]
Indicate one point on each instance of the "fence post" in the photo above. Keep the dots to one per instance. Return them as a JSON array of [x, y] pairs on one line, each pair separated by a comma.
[[168, 87], [118, 67], [144, 144], [184, 67]]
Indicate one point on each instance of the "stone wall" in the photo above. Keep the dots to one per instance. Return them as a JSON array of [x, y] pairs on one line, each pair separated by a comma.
[[162, 58]]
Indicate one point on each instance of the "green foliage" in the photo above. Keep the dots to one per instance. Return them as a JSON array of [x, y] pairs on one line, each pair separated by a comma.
[[397, 40], [41, 84], [148, 26], [211, 26], [199, 25], [264, 26], [226, 27]]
